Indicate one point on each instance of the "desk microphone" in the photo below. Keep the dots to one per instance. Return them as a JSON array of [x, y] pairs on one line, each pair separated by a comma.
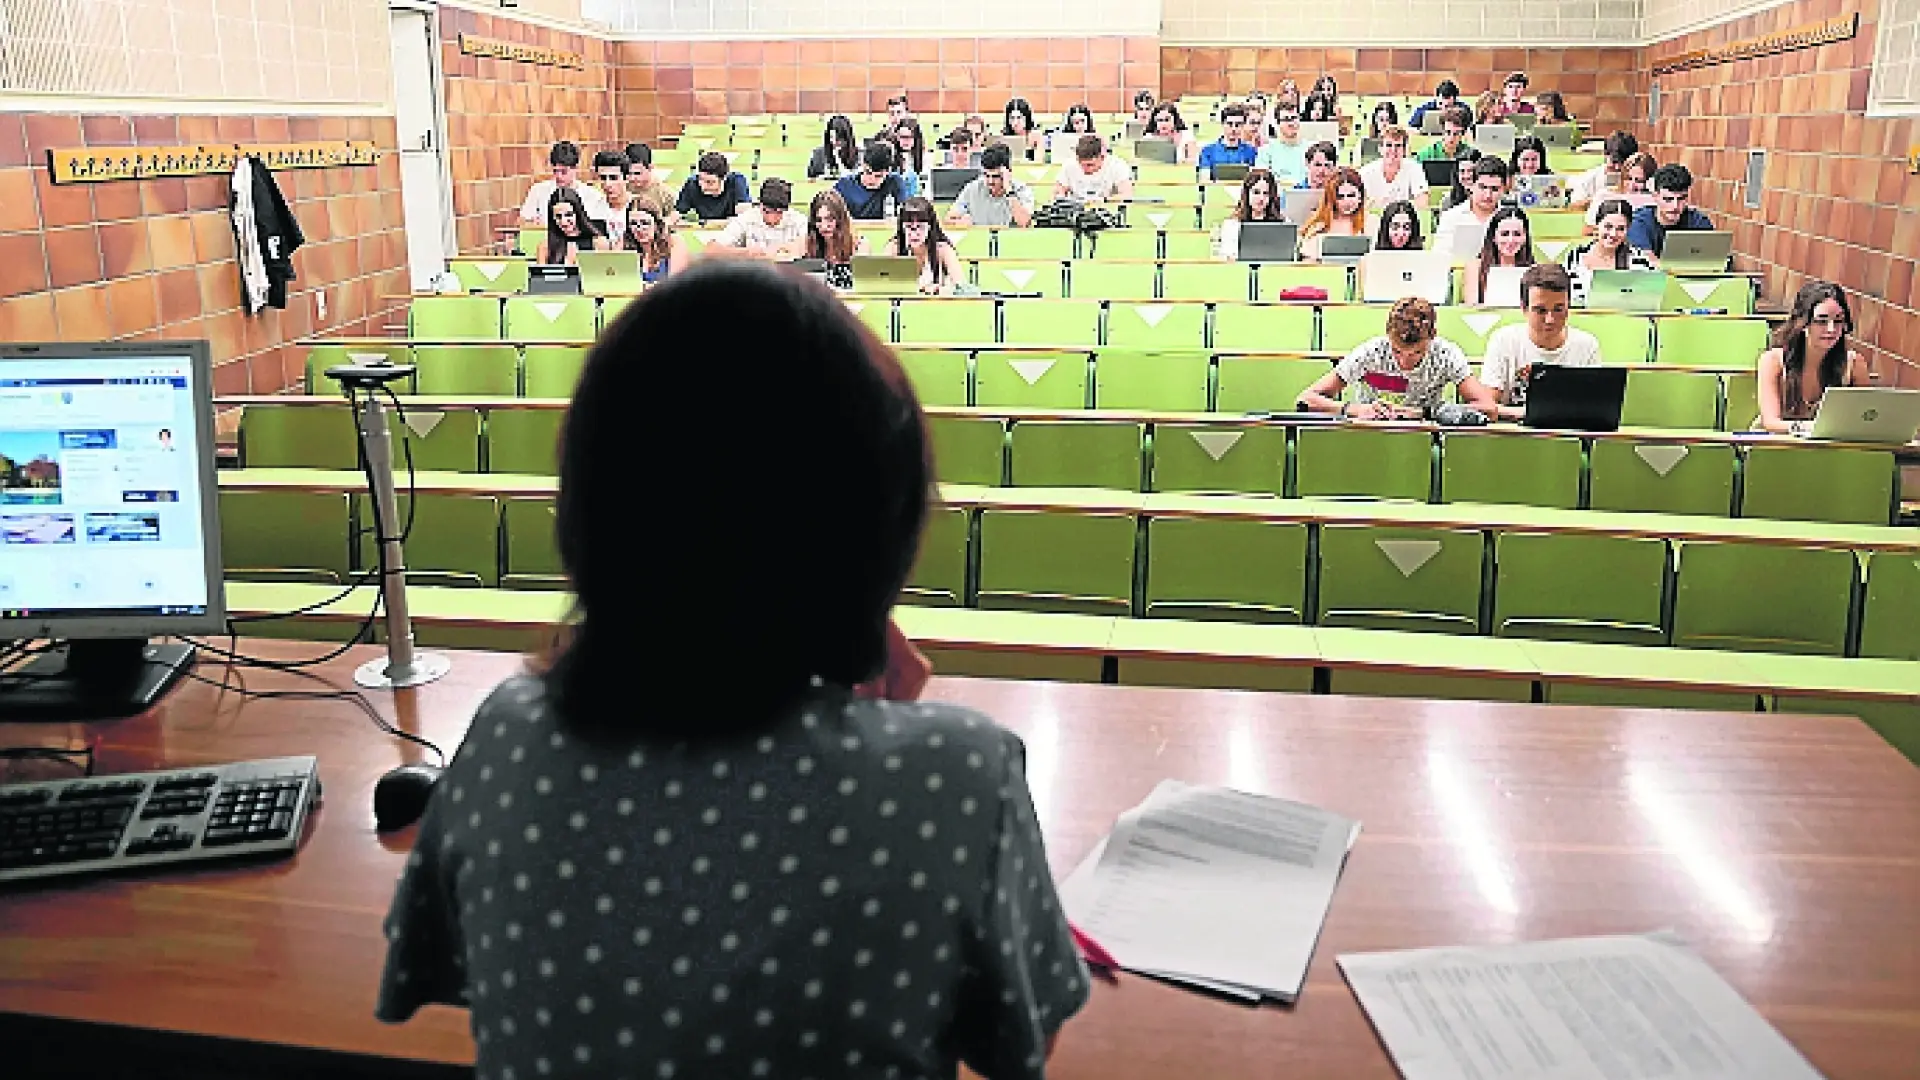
[[1448, 414]]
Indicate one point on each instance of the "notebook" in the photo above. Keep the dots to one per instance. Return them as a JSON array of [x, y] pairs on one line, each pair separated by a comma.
[[1441, 173], [1503, 287], [1157, 151], [1269, 241], [1495, 140], [1638, 291], [1344, 250], [886, 275], [1867, 414], [1299, 204], [947, 182], [1693, 251], [553, 280], [1575, 398], [605, 273], [1387, 276]]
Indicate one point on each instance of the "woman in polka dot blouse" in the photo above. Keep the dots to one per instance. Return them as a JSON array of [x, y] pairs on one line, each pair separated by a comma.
[[686, 848]]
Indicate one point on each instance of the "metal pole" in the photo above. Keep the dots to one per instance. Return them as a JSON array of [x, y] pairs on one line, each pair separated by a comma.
[[403, 666]]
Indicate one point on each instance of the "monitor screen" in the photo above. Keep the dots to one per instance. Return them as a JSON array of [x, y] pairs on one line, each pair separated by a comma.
[[108, 522]]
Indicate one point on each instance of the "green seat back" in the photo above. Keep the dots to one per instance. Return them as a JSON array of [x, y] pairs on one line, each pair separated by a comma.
[[1372, 462], [1700, 339], [878, 314], [1211, 458], [501, 275], [1264, 327], [1226, 569], [1820, 483], [1557, 224], [1265, 384], [1661, 478], [1143, 379], [1530, 470], [1053, 561], [1156, 325], [1344, 327], [1469, 328], [286, 535], [1176, 215], [1010, 378], [1051, 322], [524, 441], [972, 243], [440, 440], [532, 549], [1400, 579], [968, 449], [946, 321], [611, 308], [1762, 598], [1185, 245], [1021, 276], [1624, 339], [1671, 399], [1055, 244], [552, 371], [471, 370], [1579, 587], [1743, 400], [1139, 243], [1076, 453], [939, 577], [1276, 278], [1735, 294], [1889, 627], [552, 318], [299, 436], [453, 539], [454, 318], [939, 376], [1093, 280], [1226, 282], [530, 241], [322, 357]]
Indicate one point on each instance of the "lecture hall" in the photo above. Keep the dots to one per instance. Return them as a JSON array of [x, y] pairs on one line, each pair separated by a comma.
[[1386, 538]]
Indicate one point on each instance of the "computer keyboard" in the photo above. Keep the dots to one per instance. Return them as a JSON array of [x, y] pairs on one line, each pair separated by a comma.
[[133, 820]]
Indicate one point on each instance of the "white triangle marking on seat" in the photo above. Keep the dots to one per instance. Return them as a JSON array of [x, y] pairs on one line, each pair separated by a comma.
[[1552, 249], [491, 270], [1031, 370], [957, 238], [1153, 314], [1017, 278], [422, 422], [856, 307], [367, 357], [1699, 290], [1159, 220], [1408, 556], [1661, 458], [1481, 322], [1216, 443], [552, 311]]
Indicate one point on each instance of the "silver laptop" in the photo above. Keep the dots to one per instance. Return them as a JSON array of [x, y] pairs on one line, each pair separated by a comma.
[[947, 182], [1495, 139], [1344, 250], [1696, 251], [1156, 150], [1637, 291], [1269, 241], [1431, 120], [886, 275], [1369, 150], [1135, 129], [1503, 287], [1540, 191], [1299, 204], [1867, 414], [1524, 123], [1319, 131], [1556, 136], [1387, 276]]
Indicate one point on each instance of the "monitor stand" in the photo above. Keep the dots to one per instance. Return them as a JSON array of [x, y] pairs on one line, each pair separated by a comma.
[[96, 679]]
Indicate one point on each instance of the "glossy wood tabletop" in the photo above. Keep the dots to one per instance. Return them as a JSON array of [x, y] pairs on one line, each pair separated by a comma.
[[1786, 849]]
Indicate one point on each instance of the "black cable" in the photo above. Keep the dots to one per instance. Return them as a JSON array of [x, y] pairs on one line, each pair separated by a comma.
[[332, 693], [80, 757]]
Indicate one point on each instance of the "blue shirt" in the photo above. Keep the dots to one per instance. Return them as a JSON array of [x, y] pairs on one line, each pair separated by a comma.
[[1219, 153], [1647, 232], [1286, 162], [870, 205]]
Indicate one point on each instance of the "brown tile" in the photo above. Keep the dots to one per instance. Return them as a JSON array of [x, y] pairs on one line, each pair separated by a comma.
[[19, 203], [179, 292], [156, 130], [170, 242], [124, 249], [73, 256], [80, 314], [28, 318], [106, 130], [62, 204], [208, 192], [116, 200], [167, 195], [23, 264], [51, 131], [13, 141], [132, 307], [212, 237]]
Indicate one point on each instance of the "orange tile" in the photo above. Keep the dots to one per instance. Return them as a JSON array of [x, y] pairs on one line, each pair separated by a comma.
[[1066, 50], [179, 295], [857, 51], [1030, 50], [1142, 50], [1107, 50], [124, 249], [13, 141], [212, 236], [73, 256], [19, 205], [23, 264], [80, 313], [132, 306], [28, 318], [62, 204]]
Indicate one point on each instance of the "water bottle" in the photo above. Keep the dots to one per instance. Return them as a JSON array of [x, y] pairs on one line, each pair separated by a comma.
[[891, 209]]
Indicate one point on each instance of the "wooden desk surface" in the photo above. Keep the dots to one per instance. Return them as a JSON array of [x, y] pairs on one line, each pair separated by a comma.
[[1785, 848]]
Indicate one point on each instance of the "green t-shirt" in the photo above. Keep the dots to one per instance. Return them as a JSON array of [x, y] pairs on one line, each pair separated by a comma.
[[1438, 151]]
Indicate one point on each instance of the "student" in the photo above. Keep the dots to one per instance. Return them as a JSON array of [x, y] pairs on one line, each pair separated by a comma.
[[714, 192], [1810, 354], [909, 154], [831, 238], [1078, 121], [1094, 176], [1508, 243], [1287, 97], [662, 251], [1392, 178], [1385, 115], [868, 192], [1257, 130], [1530, 157], [1608, 250], [1285, 156], [838, 154], [897, 110], [1328, 88], [1017, 127], [1446, 97], [1453, 144], [1486, 108], [1463, 227], [642, 185], [1400, 375], [1165, 123], [1584, 187], [1259, 201], [1513, 352], [584, 847], [1462, 181], [1143, 107], [1672, 186], [1511, 97], [775, 232], [569, 230], [564, 160], [1635, 177], [996, 198], [1553, 108], [610, 176], [918, 234], [977, 125], [961, 146], [1231, 148], [1342, 212], [1319, 108], [1399, 228], [1322, 157]]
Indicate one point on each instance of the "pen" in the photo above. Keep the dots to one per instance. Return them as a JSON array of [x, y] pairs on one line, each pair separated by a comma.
[[1092, 951]]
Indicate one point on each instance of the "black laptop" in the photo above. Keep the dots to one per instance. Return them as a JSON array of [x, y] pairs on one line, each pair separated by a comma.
[[1441, 173], [1575, 398], [1269, 241], [553, 280], [947, 182]]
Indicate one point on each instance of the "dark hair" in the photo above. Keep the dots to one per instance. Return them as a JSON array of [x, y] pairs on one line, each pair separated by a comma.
[[1672, 176], [658, 249], [1608, 208], [714, 163], [1373, 119], [921, 206], [1232, 111], [776, 194], [1393, 210], [1332, 86], [610, 159], [1066, 124], [1459, 194], [1621, 145], [639, 153], [1447, 89], [1016, 105], [879, 156], [847, 154], [1553, 101], [844, 468], [919, 144], [1410, 320], [1489, 165], [996, 156], [1317, 108], [1143, 97], [1517, 77], [1088, 148], [1550, 276], [1168, 107], [897, 99], [841, 251], [1458, 114], [1490, 254], [1791, 340], [1325, 149], [1649, 166], [1274, 196], [555, 250], [565, 154], [1525, 143]]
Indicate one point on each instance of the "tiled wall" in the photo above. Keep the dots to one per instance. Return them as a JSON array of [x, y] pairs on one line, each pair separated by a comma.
[[1838, 204], [1600, 84], [1390, 22], [503, 116], [661, 84], [155, 258]]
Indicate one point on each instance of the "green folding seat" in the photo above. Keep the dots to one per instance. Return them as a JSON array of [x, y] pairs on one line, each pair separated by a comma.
[[1091, 279], [1263, 328], [299, 436], [552, 318], [1527, 469], [1051, 322], [467, 370], [1470, 328], [1227, 570], [946, 321], [1022, 276], [1246, 459], [503, 274], [454, 318], [939, 577], [1137, 244], [1378, 578], [1579, 587], [322, 357], [1743, 400], [1054, 244], [532, 550], [972, 243], [1624, 339], [611, 308], [1376, 463], [1186, 245], [1079, 563], [524, 441], [552, 371], [1150, 380], [1077, 453], [1661, 478], [1224, 282], [291, 536], [968, 449], [1820, 483], [440, 440], [1343, 327], [939, 376], [1265, 384], [1156, 325], [530, 241], [1758, 597], [452, 539], [1687, 400], [1701, 339], [1276, 278], [1034, 379], [1176, 215], [1890, 625], [1734, 294], [877, 313]]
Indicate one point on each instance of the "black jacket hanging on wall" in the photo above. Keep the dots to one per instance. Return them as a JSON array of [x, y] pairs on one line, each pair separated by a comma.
[[265, 236]]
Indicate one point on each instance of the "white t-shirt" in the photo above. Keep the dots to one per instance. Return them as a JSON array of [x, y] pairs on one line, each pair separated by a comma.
[[534, 210], [1408, 185], [1098, 186], [1511, 355], [1461, 232], [751, 231], [1374, 375], [1588, 185]]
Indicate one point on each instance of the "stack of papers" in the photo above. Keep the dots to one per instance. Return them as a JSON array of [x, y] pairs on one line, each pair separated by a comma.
[[1600, 1008], [1213, 888]]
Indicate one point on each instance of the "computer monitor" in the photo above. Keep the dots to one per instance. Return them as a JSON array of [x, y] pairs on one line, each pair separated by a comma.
[[109, 521]]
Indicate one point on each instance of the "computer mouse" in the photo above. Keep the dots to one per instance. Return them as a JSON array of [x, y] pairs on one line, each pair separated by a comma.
[[400, 797]]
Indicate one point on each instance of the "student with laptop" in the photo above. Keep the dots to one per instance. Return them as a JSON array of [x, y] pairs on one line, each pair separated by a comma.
[[838, 153], [1513, 352], [714, 192], [1552, 108], [1671, 211], [1259, 202], [569, 231], [876, 188], [1608, 250], [1446, 97], [995, 199], [774, 232], [1399, 228], [1231, 148], [1453, 144], [1094, 175], [564, 160], [1285, 155], [1508, 245], [1463, 229], [1529, 157], [662, 251], [832, 240], [1322, 157], [1393, 178], [1810, 356], [1400, 375], [1017, 127], [1634, 178], [1585, 187], [1165, 123], [918, 234], [1342, 212], [1385, 115]]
